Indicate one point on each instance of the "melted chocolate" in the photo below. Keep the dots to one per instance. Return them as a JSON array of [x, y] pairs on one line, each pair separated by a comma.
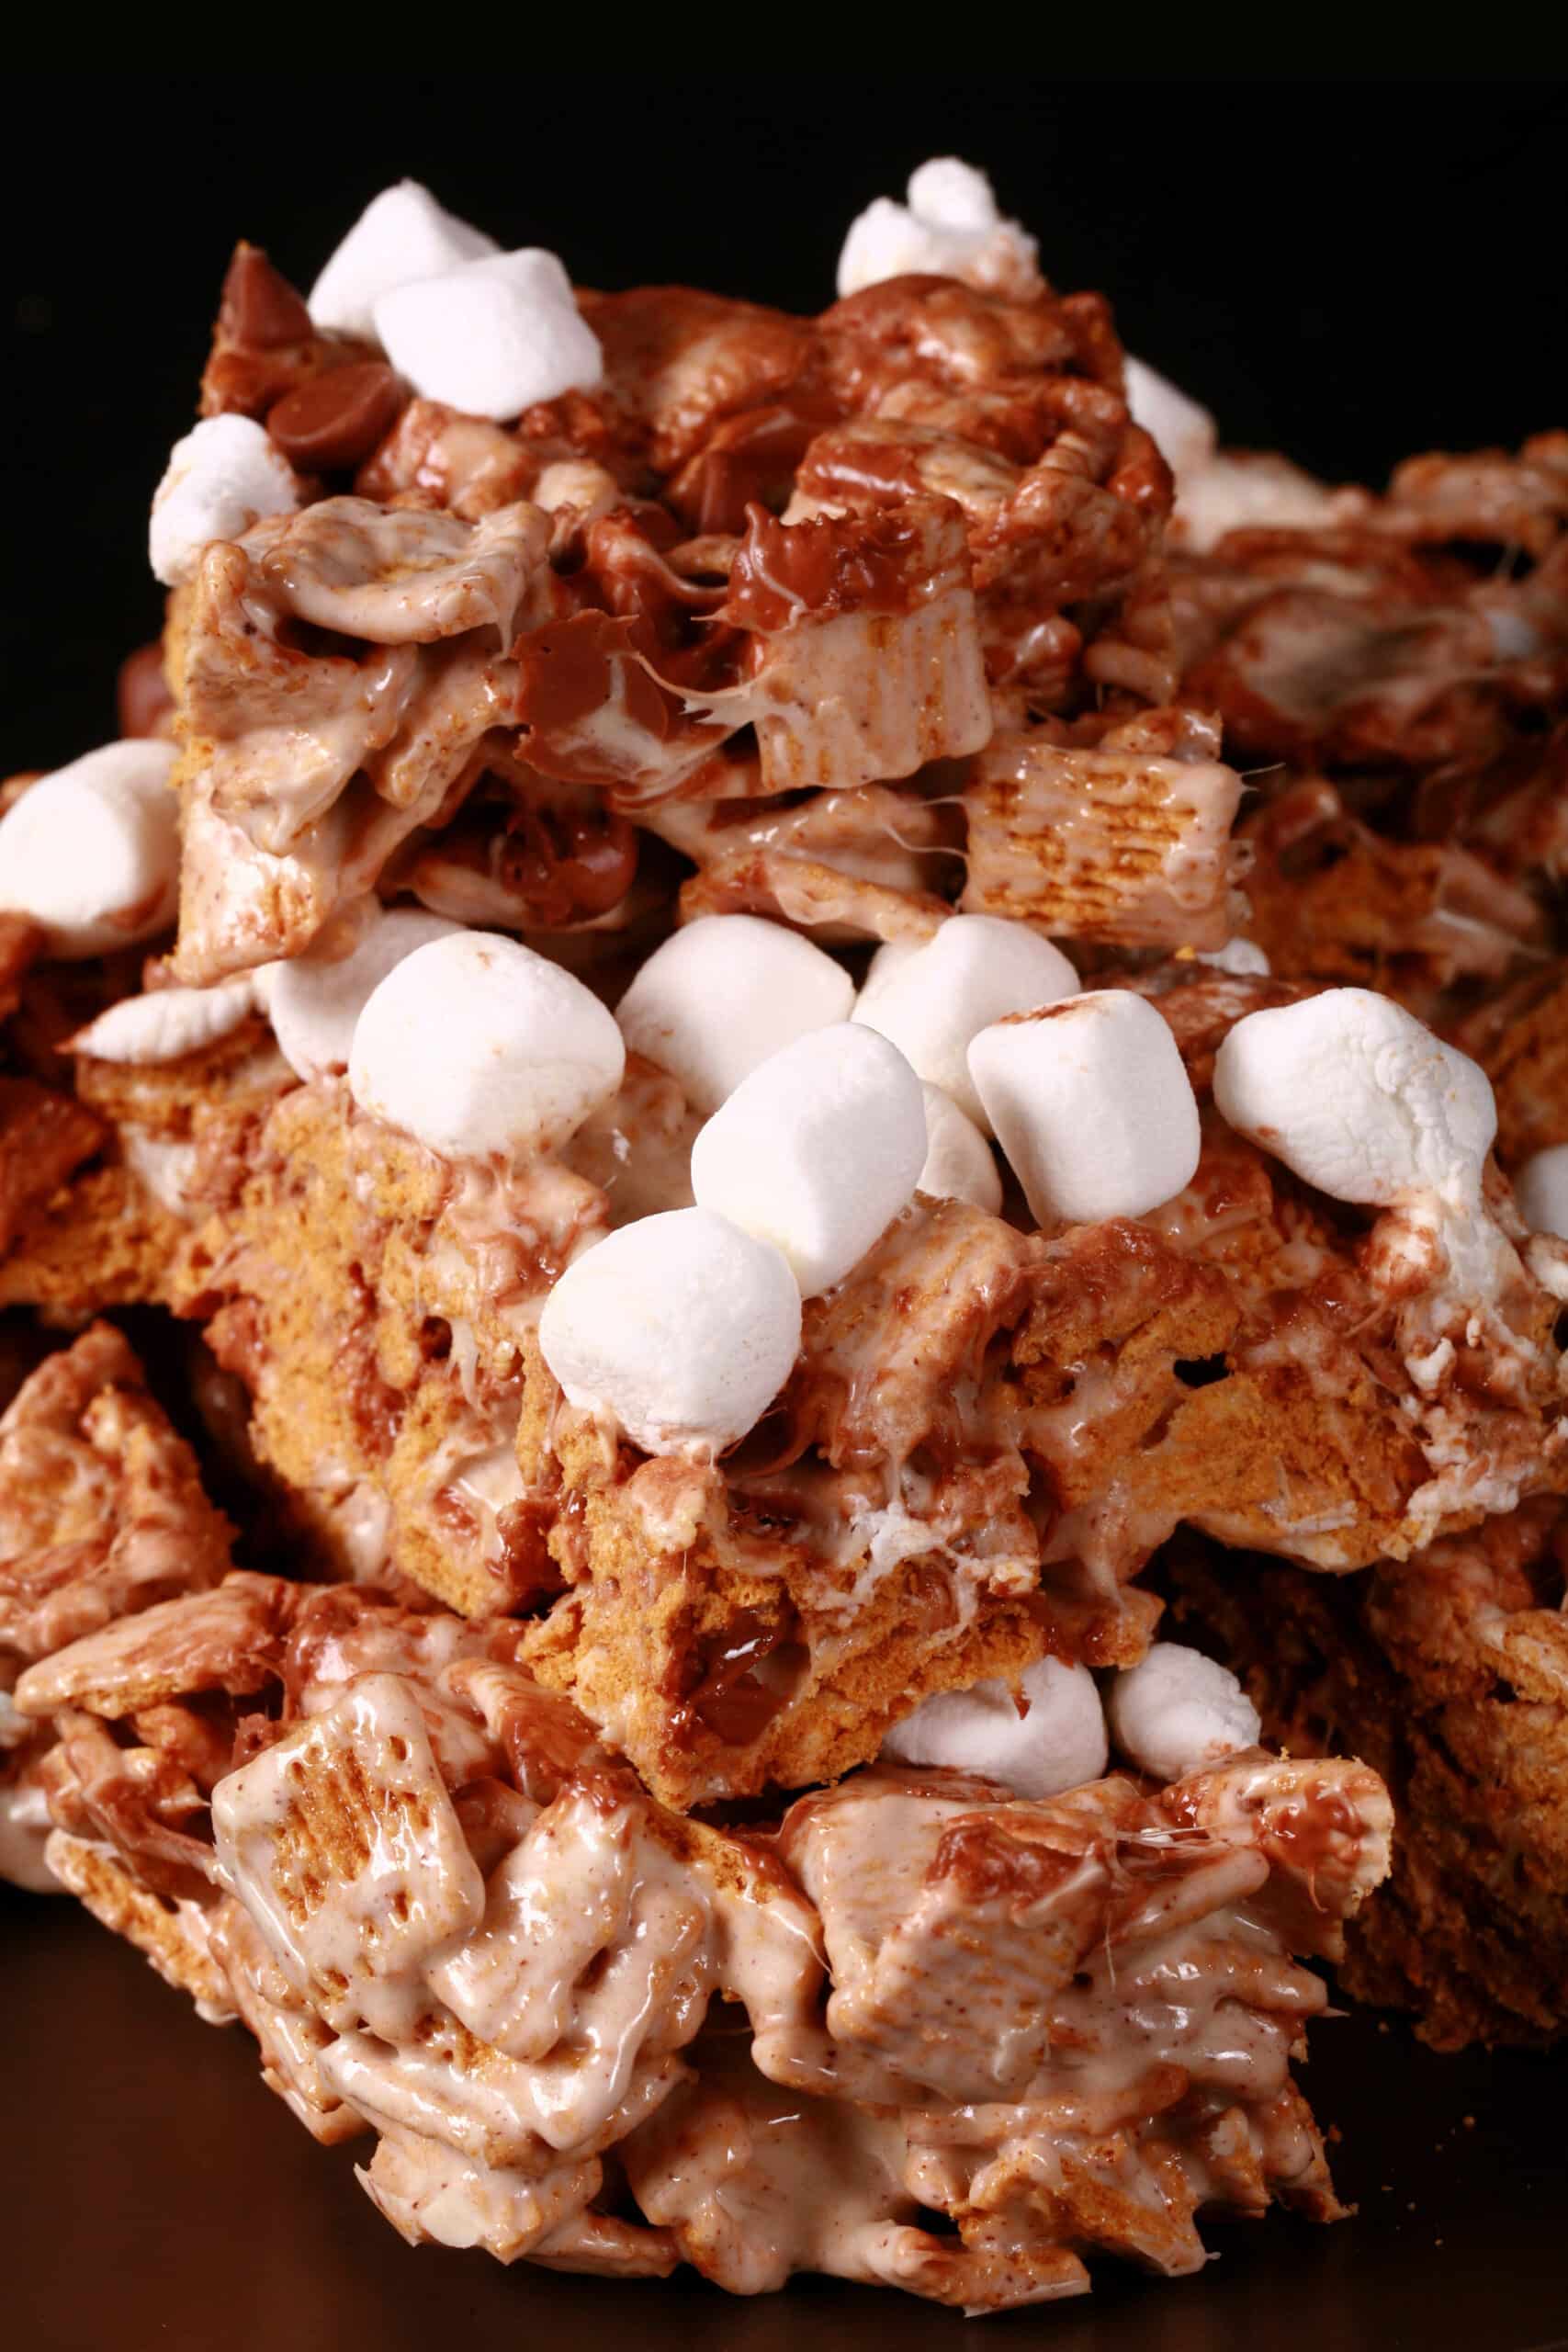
[[333, 421], [834, 564]]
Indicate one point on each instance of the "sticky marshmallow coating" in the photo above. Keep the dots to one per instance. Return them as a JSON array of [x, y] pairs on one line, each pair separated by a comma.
[[492, 336], [167, 1023], [314, 1005], [680, 1326], [1358, 1098], [959, 1162], [1540, 1189], [725, 994], [947, 227], [91, 853], [1059, 1742], [816, 1151], [1176, 1711], [401, 234], [475, 1046], [1092, 1105], [224, 475], [931, 998]]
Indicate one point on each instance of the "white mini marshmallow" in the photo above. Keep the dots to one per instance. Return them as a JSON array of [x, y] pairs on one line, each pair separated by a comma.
[[401, 234], [576, 481], [1244, 492], [219, 479], [932, 997], [1540, 1188], [1514, 636], [950, 227], [725, 994], [1241, 957], [314, 1005], [1184, 433], [1358, 1098], [960, 1164], [817, 1150], [92, 852], [475, 1044], [1059, 1744], [492, 336], [1092, 1105], [1176, 1711], [167, 1023], [680, 1326]]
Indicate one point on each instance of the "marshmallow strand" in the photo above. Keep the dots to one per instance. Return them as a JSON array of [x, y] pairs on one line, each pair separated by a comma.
[[1056, 1740], [314, 1005], [224, 475], [680, 1326], [474, 1044], [1176, 1711], [722, 995], [931, 998], [817, 1150], [1092, 1105], [1358, 1098], [403, 234], [91, 853]]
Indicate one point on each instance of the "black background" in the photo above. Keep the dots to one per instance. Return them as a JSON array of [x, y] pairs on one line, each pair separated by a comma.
[[1349, 271]]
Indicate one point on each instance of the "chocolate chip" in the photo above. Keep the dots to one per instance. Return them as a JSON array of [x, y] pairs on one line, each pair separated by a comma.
[[337, 418], [260, 309], [142, 696]]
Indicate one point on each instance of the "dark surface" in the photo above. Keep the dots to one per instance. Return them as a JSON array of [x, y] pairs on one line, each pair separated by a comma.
[[1348, 271], [154, 2194]]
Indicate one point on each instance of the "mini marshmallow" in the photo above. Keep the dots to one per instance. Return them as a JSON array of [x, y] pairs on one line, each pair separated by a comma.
[[315, 1005], [1540, 1189], [92, 853], [931, 998], [576, 481], [224, 475], [491, 337], [401, 234], [723, 995], [680, 1326], [1176, 1711], [1248, 493], [959, 1163], [1358, 1098], [1241, 957], [474, 1044], [1059, 1744], [167, 1023], [817, 1150], [1092, 1105], [950, 227], [1184, 433]]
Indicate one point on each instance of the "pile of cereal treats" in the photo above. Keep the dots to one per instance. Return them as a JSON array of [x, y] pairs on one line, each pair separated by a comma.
[[827, 1081]]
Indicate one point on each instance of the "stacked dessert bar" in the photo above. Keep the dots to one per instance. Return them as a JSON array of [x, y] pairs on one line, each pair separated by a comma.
[[776, 1023]]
